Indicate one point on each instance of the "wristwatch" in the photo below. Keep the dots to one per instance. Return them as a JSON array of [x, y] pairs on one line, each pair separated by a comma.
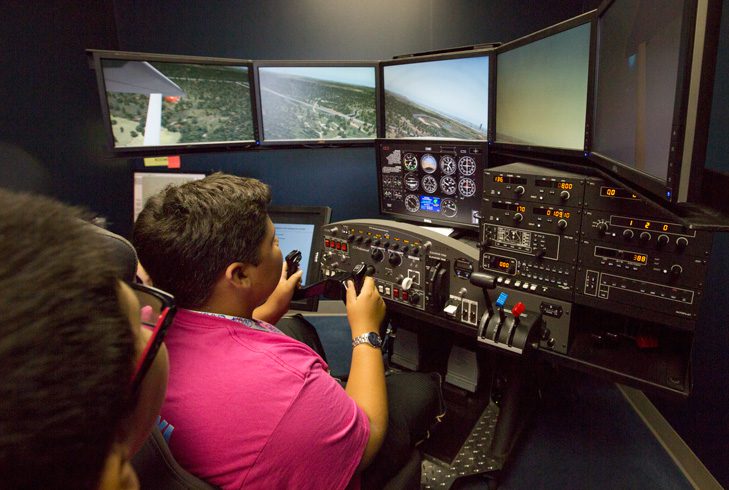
[[371, 338]]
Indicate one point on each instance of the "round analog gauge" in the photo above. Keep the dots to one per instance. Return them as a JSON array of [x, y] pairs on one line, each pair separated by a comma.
[[410, 161], [448, 185], [412, 203], [467, 187], [449, 208], [467, 165], [411, 182], [428, 163], [430, 184], [447, 164]]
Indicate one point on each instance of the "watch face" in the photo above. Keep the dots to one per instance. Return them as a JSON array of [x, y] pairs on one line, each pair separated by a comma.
[[374, 339]]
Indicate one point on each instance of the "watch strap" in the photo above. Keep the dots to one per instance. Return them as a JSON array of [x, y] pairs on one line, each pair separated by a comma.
[[371, 338]]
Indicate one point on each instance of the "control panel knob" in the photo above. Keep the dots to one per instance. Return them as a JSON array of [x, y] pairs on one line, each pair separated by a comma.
[[350, 238], [406, 283], [334, 230], [562, 224], [564, 195], [415, 298], [377, 255], [405, 249], [426, 246], [396, 246], [540, 253], [395, 259], [628, 234], [367, 241], [681, 243], [676, 270], [518, 217], [602, 227], [663, 240], [519, 190], [416, 251], [360, 238], [377, 242], [387, 245], [645, 236]]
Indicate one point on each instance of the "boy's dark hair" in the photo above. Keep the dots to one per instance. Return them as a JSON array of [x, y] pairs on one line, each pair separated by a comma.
[[186, 236], [66, 347]]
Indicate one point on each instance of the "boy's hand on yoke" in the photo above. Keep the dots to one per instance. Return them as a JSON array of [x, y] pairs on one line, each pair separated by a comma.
[[278, 303], [366, 311]]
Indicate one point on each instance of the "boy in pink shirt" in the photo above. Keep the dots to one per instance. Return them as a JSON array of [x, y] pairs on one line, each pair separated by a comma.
[[246, 405]]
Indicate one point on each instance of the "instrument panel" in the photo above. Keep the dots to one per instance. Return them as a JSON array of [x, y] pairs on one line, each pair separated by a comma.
[[431, 181]]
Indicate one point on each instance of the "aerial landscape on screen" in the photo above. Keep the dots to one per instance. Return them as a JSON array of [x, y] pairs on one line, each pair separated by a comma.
[[200, 103], [318, 103]]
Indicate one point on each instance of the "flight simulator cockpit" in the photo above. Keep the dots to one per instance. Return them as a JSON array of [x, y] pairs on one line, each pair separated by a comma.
[[540, 201]]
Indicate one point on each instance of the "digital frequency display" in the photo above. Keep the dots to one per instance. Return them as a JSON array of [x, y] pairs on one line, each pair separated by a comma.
[[646, 224], [519, 208], [617, 193], [501, 179], [171, 103], [437, 99], [557, 213], [636, 258], [565, 186], [541, 91], [316, 103]]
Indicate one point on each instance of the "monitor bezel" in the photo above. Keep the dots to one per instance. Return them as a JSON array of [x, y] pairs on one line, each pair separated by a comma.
[[319, 216], [312, 143], [468, 53], [694, 88], [98, 55], [586, 18], [431, 221]]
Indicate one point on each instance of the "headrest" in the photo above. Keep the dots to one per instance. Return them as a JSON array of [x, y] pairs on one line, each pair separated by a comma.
[[122, 252]]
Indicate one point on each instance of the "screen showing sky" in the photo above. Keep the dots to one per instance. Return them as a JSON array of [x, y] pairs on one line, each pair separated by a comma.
[[441, 98], [541, 91]]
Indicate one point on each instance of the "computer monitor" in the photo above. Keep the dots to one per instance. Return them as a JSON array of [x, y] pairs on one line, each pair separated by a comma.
[[157, 104], [147, 184], [299, 228], [431, 182], [653, 85], [305, 103], [541, 88], [437, 96]]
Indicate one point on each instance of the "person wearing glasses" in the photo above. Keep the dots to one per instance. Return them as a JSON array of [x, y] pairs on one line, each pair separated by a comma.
[[250, 406], [77, 396]]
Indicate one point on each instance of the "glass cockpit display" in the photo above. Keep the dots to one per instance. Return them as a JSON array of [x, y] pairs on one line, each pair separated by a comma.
[[431, 182]]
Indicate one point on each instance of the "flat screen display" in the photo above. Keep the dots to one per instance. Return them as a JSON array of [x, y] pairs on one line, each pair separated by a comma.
[[299, 228], [446, 98], [154, 103], [431, 182], [317, 103], [637, 74], [541, 91]]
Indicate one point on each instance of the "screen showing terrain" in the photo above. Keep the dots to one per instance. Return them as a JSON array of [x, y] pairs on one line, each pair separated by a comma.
[[541, 91], [437, 99], [172, 103], [318, 103]]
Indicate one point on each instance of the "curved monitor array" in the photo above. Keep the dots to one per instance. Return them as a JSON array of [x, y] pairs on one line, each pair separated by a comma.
[[622, 87]]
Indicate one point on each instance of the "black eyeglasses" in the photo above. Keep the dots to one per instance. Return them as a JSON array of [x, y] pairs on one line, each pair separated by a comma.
[[157, 311]]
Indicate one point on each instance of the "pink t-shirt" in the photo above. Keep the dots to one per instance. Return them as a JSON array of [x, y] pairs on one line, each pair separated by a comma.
[[257, 409]]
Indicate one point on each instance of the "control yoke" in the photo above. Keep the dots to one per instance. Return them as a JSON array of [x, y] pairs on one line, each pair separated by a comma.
[[334, 287]]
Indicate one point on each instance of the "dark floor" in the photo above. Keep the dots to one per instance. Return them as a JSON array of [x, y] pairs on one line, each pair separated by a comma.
[[584, 434]]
